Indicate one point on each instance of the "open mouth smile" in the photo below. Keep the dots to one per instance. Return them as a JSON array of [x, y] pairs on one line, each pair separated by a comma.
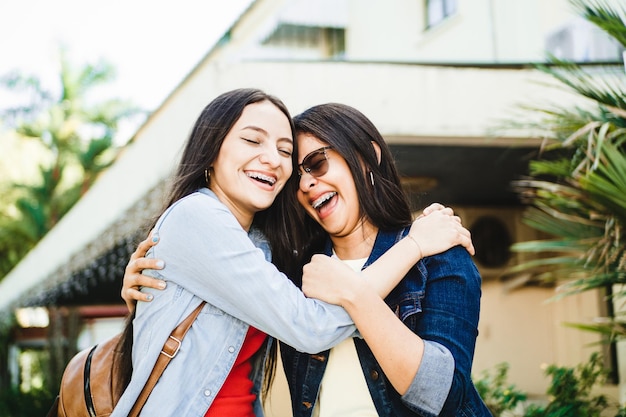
[[317, 204], [261, 178]]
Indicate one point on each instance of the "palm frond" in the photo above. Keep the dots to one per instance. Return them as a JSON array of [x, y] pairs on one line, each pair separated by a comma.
[[550, 245], [612, 331], [604, 88], [577, 188], [607, 182], [608, 17]]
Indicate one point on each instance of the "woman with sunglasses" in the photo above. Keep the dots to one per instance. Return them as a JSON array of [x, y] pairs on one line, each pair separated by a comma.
[[224, 212], [416, 351]]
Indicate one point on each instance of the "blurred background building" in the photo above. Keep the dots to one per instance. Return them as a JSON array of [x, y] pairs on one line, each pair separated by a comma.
[[437, 77]]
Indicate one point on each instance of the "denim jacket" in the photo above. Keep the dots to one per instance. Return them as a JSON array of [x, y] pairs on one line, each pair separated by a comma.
[[208, 256], [439, 299]]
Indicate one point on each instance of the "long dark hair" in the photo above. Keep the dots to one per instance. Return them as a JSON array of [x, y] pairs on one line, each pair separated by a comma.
[[351, 134], [201, 149], [206, 138]]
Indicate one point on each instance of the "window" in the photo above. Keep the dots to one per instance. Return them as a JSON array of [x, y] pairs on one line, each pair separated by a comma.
[[439, 10], [330, 42]]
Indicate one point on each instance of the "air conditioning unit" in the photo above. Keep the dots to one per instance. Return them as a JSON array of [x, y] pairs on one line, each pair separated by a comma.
[[494, 230], [581, 41]]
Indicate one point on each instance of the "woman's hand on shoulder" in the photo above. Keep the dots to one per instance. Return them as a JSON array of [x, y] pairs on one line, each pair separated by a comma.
[[134, 279], [438, 229]]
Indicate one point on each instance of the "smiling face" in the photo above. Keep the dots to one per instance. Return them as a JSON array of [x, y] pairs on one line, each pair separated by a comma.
[[254, 161], [331, 199], [359, 164]]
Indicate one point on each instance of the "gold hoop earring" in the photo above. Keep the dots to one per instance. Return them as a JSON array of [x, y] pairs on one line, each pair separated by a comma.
[[207, 177]]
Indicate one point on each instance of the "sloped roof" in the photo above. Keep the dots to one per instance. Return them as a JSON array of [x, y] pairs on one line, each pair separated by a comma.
[[100, 262]]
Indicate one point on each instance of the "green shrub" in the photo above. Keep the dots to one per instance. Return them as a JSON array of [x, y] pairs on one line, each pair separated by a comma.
[[570, 393], [497, 394]]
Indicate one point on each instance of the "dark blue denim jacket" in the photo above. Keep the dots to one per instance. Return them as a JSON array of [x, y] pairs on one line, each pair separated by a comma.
[[439, 299]]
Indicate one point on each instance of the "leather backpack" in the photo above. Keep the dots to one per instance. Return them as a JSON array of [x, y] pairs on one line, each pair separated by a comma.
[[91, 385]]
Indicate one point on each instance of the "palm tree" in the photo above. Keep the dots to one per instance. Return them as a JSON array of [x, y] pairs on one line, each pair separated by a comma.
[[577, 190], [77, 139]]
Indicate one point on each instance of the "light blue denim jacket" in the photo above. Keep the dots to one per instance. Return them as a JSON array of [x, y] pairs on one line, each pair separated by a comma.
[[208, 256]]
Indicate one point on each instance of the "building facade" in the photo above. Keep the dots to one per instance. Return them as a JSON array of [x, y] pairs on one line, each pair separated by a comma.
[[438, 78]]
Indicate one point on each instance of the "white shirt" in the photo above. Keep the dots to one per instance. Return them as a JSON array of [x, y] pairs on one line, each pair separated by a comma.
[[343, 391]]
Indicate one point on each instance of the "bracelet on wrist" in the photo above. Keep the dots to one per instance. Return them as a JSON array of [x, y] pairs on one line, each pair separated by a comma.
[[416, 244]]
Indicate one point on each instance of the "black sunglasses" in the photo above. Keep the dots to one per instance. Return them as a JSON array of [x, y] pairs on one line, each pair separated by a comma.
[[315, 163]]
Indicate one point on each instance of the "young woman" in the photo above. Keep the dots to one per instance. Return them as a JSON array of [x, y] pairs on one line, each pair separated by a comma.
[[224, 201], [417, 346]]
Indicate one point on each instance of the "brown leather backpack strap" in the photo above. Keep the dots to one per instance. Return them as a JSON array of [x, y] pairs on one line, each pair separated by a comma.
[[87, 384], [170, 349]]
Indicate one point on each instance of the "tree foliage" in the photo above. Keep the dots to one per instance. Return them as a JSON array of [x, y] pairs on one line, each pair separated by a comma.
[[577, 188], [75, 133]]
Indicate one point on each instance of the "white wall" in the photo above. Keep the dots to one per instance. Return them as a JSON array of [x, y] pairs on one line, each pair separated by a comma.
[[402, 100], [482, 31]]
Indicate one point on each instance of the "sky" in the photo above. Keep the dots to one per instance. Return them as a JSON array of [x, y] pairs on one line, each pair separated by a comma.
[[152, 44]]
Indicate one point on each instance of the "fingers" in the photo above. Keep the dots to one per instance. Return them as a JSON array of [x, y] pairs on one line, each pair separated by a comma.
[[139, 280], [465, 238], [134, 279], [439, 231], [466, 241], [145, 245], [437, 207], [130, 292], [137, 265], [133, 282], [133, 295], [432, 208], [470, 247], [130, 297]]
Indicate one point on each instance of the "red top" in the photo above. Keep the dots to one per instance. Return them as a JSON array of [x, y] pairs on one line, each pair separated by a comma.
[[235, 397]]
